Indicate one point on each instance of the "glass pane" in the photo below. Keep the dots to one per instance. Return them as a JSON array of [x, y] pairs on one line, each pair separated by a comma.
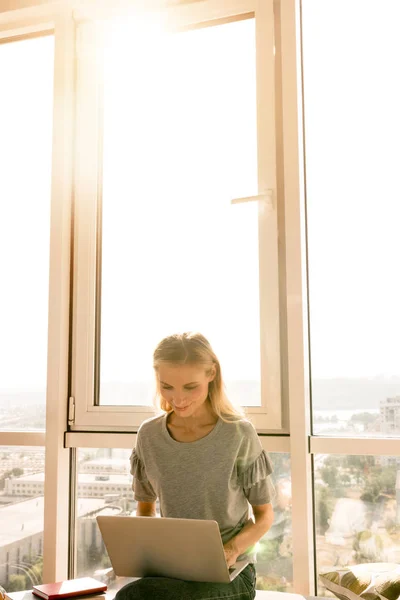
[[21, 516], [105, 487], [275, 552], [357, 516], [353, 210], [179, 144], [26, 105]]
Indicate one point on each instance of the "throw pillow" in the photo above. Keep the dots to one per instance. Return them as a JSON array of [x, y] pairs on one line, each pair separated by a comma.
[[370, 581]]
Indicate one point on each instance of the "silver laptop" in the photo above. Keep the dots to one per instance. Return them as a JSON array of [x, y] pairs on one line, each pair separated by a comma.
[[188, 549]]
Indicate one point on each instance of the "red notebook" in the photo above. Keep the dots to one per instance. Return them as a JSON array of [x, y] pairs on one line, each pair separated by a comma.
[[68, 588]]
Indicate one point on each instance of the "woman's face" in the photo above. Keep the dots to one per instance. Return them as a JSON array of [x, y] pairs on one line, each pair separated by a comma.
[[184, 387]]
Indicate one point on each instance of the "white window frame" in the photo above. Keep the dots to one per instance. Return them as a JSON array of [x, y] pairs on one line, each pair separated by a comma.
[[300, 444], [17, 24], [86, 415]]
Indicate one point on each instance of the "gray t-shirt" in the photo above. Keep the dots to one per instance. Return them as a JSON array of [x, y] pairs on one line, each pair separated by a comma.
[[213, 478]]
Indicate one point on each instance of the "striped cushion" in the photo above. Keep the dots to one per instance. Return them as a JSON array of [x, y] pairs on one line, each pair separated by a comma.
[[370, 581]]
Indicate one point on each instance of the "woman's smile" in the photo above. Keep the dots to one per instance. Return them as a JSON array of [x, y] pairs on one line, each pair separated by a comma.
[[182, 408]]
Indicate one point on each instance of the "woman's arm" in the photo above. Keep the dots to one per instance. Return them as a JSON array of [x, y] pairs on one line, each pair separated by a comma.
[[250, 534], [146, 509]]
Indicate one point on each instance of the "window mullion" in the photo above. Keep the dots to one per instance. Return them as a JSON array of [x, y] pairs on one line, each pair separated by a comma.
[[287, 52], [87, 170], [55, 544], [360, 446], [268, 217], [22, 438]]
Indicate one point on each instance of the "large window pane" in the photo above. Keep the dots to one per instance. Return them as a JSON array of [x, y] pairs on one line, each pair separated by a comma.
[[21, 516], [357, 510], [105, 487], [180, 142], [26, 104], [351, 50], [275, 552]]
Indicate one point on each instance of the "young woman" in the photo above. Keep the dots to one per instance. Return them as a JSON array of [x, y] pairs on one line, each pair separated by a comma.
[[203, 460]]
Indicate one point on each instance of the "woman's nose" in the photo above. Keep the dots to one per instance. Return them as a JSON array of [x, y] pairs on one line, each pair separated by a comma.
[[179, 399]]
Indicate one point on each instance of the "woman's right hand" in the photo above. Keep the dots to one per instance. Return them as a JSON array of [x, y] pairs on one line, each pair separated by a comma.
[[231, 553], [146, 509]]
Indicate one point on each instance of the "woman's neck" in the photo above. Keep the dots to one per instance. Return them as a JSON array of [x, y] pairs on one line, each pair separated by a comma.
[[203, 418]]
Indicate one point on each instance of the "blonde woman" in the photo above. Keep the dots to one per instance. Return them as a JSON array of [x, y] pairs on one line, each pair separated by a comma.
[[203, 460]]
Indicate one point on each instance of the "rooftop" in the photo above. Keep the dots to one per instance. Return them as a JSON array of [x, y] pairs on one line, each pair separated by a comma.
[[25, 519], [111, 478]]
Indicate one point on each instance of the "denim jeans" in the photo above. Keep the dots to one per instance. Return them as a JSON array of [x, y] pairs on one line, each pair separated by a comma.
[[164, 588]]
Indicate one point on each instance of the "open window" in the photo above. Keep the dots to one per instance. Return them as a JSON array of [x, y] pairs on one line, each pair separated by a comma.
[[176, 207]]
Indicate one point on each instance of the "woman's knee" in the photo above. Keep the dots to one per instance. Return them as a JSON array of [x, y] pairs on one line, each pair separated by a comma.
[[128, 591], [151, 588]]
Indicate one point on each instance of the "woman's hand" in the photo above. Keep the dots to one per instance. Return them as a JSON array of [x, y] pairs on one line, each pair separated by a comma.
[[231, 553]]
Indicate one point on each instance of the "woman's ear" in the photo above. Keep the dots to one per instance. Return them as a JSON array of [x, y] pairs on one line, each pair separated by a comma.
[[213, 373]]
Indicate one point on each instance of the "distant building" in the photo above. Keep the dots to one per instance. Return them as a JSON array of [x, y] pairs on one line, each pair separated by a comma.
[[398, 497], [21, 536], [105, 465], [90, 485], [390, 415], [387, 461], [390, 425], [30, 462]]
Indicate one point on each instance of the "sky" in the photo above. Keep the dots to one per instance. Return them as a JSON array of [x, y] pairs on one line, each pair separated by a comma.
[[352, 126], [26, 69], [183, 142]]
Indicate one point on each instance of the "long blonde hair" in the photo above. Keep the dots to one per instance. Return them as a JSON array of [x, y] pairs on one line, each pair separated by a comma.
[[194, 348]]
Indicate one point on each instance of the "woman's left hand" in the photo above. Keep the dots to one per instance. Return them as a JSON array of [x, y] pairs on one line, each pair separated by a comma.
[[231, 553]]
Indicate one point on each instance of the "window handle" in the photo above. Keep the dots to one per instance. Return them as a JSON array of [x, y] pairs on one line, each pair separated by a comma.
[[266, 197]]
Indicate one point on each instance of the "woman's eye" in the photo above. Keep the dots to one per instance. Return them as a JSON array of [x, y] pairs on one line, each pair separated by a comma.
[[165, 387]]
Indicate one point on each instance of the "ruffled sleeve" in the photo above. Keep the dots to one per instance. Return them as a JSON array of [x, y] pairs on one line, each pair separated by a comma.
[[256, 481], [257, 471], [254, 468], [142, 487]]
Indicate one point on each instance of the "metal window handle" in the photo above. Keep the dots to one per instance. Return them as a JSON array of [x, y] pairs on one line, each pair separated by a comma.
[[266, 197]]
